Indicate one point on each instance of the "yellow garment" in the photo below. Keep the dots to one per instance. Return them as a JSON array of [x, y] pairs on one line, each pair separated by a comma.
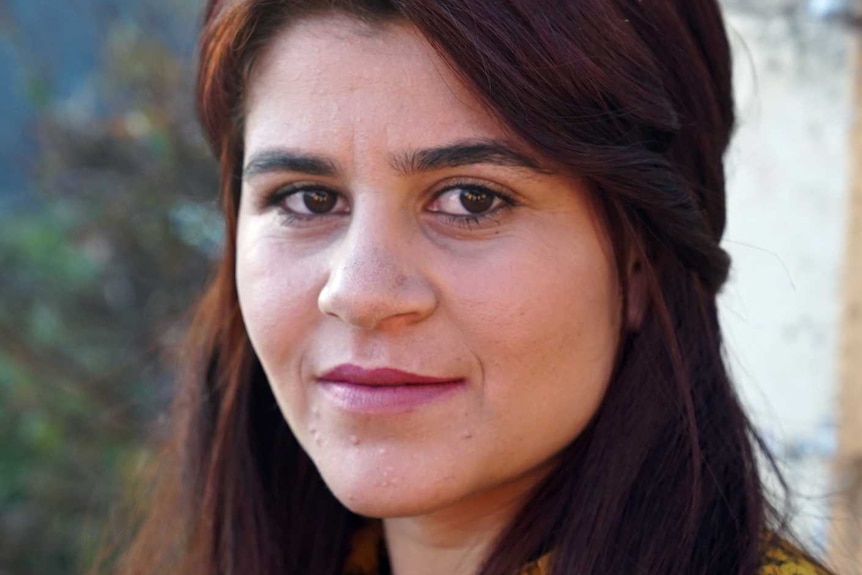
[[780, 559]]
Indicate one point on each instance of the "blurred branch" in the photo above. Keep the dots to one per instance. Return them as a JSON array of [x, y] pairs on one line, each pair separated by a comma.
[[97, 276]]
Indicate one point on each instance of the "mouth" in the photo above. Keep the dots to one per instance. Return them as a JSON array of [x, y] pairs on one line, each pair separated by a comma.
[[384, 390], [356, 375]]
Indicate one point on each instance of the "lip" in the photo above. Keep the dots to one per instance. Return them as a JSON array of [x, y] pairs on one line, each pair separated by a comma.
[[384, 390], [356, 375]]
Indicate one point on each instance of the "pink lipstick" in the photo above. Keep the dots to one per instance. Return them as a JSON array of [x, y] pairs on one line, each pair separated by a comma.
[[383, 390]]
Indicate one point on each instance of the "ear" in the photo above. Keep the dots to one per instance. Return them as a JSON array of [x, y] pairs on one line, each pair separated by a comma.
[[636, 288]]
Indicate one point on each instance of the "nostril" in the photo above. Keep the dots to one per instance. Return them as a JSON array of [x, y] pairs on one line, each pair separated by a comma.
[[373, 277], [371, 299]]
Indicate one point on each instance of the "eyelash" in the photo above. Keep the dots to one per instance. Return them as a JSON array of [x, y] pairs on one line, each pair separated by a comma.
[[277, 198], [473, 221]]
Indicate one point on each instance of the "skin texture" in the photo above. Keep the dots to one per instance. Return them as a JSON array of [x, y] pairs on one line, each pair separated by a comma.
[[521, 306]]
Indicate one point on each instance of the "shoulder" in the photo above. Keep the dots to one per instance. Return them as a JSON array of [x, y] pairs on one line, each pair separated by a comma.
[[782, 558]]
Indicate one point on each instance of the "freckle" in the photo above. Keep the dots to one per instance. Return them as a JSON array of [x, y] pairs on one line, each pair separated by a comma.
[[354, 440]]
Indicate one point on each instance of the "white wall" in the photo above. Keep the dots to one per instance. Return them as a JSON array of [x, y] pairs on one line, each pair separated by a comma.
[[788, 186]]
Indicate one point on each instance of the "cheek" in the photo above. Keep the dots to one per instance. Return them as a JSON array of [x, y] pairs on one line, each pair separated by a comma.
[[546, 336], [277, 295], [539, 307]]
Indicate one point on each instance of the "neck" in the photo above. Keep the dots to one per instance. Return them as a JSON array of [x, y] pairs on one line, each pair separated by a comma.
[[454, 540]]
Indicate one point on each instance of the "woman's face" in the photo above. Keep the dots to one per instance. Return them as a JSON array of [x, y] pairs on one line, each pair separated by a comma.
[[437, 311]]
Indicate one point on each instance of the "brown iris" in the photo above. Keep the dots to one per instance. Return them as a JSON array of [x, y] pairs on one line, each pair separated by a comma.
[[319, 201], [476, 201]]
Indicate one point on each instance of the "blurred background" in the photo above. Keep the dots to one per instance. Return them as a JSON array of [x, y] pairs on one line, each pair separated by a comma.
[[109, 224]]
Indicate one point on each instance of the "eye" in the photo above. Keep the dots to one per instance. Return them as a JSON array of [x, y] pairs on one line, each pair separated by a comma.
[[467, 201], [313, 202]]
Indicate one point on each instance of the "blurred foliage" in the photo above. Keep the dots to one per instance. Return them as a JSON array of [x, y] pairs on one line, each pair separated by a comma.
[[99, 266]]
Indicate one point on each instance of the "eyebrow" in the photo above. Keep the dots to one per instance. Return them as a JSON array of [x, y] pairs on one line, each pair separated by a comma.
[[467, 153], [456, 155], [285, 160]]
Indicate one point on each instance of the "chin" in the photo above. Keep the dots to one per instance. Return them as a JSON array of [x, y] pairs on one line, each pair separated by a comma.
[[385, 497], [380, 508]]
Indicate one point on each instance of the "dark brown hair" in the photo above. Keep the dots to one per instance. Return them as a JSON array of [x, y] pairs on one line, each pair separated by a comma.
[[633, 96]]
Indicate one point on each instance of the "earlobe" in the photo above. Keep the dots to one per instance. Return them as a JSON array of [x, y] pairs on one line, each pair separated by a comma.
[[636, 296]]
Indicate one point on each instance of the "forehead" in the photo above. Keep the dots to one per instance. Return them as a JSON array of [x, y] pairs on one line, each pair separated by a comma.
[[332, 80]]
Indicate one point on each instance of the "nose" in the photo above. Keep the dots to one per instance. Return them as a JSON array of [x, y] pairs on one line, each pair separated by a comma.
[[376, 281]]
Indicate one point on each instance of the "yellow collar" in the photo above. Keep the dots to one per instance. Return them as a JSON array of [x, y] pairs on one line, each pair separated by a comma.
[[366, 549]]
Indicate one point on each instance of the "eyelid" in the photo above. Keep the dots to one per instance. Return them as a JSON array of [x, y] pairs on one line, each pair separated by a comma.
[[298, 195], [274, 197], [511, 198], [475, 182]]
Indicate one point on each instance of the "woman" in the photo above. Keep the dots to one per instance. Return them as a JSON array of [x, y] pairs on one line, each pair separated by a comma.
[[465, 322]]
